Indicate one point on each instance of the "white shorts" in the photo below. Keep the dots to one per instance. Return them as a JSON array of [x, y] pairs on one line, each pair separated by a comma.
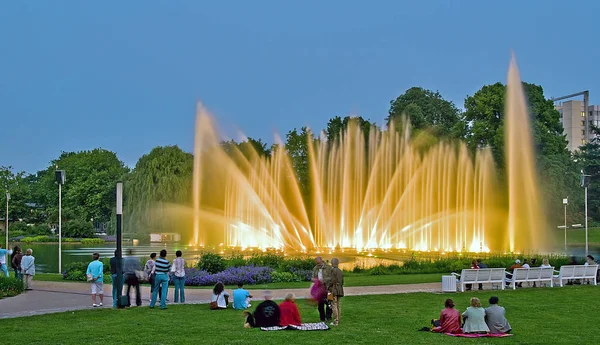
[[97, 288]]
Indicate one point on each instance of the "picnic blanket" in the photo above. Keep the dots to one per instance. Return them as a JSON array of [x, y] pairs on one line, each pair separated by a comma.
[[318, 326], [476, 335]]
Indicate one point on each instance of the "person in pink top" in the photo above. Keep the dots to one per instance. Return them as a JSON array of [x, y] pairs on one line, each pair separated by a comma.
[[449, 319]]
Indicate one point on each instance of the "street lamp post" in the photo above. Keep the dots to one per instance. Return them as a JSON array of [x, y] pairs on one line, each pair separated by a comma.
[[565, 203], [60, 179], [119, 254], [585, 182], [7, 198]]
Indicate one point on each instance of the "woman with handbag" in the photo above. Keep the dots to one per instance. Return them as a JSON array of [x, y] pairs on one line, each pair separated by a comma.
[[336, 290], [220, 297], [178, 269]]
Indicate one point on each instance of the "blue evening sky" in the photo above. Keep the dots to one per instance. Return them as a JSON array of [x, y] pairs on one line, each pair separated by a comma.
[[126, 75]]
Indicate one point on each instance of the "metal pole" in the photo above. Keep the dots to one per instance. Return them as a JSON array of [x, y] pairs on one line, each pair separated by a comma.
[[7, 198], [586, 225], [565, 228], [119, 255], [59, 228]]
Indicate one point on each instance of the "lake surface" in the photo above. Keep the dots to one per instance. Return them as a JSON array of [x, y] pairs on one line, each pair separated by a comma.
[[46, 254]]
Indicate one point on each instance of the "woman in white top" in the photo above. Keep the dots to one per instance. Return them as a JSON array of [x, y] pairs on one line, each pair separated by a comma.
[[220, 296], [178, 269], [28, 268], [545, 263]]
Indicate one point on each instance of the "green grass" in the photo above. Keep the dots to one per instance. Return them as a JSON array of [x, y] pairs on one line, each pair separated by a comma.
[[351, 279], [577, 236], [537, 316]]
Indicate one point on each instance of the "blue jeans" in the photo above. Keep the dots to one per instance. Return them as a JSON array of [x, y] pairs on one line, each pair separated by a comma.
[[4, 269], [160, 281], [18, 274], [179, 284], [115, 290]]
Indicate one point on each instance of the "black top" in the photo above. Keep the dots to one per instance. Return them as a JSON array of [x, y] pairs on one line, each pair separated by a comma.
[[113, 265], [266, 314]]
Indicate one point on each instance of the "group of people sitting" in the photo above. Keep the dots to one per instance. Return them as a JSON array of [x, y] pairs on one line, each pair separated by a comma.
[[474, 320], [267, 313]]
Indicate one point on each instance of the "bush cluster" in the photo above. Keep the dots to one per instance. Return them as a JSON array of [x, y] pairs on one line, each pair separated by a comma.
[[76, 271], [10, 286], [92, 241]]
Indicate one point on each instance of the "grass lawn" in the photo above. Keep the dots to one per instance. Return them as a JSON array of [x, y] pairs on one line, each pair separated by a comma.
[[537, 315], [577, 236], [350, 279]]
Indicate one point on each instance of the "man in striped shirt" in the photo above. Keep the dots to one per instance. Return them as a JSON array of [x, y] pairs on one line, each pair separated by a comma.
[[161, 281]]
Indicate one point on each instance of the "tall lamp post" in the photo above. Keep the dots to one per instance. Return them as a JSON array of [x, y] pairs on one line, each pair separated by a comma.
[[565, 203], [119, 255], [60, 179], [7, 198], [585, 182]]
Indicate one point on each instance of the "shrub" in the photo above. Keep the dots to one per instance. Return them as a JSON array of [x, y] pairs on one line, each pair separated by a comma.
[[301, 263], [18, 226], [92, 241], [211, 263], [40, 229], [266, 259], [78, 228], [76, 270], [304, 275], [10, 286], [235, 260], [39, 239], [284, 277]]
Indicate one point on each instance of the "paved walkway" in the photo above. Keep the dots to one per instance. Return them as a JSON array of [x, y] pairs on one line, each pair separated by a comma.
[[54, 297]]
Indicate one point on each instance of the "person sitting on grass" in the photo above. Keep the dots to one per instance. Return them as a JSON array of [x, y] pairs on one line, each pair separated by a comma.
[[267, 313], [220, 296], [495, 319], [241, 298], [289, 314], [474, 318], [449, 319]]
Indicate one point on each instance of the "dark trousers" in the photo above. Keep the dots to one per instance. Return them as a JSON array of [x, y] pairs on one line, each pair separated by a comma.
[[132, 281], [151, 281], [325, 309]]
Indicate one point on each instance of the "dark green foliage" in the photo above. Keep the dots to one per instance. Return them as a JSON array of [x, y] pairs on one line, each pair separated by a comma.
[[211, 263], [10, 286], [76, 271], [78, 229]]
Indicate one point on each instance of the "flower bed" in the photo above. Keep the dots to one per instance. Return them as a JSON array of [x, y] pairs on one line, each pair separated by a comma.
[[230, 276], [10, 287]]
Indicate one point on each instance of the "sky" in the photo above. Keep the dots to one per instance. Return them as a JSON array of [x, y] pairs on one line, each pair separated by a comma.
[[127, 75]]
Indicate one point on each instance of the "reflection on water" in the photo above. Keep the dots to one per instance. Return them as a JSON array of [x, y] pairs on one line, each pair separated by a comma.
[[47, 254]]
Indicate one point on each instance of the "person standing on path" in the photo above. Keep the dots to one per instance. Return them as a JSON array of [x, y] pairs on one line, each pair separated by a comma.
[[95, 275], [15, 261], [178, 270], [337, 290], [130, 266], [28, 268], [113, 274], [151, 274], [3, 253], [322, 272], [161, 281]]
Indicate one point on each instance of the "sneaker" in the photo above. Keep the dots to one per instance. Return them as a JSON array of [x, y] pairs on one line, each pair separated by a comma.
[[100, 304], [249, 305], [95, 305]]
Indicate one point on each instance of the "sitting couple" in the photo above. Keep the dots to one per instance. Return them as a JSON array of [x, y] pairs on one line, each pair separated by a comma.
[[269, 314], [476, 318]]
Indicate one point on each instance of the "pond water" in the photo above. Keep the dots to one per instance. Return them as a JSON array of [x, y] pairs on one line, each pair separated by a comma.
[[46, 254]]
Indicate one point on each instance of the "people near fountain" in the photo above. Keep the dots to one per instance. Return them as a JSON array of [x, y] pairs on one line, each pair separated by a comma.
[[113, 275], [130, 267], [473, 267], [474, 318], [267, 313], [495, 317], [219, 298], [511, 269], [480, 264], [178, 270], [589, 260], [288, 312], [15, 261], [336, 290], [545, 263], [525, 264], [241, 298], [322, 278], [28, 268], [95, 275], [449, 321], [3, 254], [161, 280], [151, 274]]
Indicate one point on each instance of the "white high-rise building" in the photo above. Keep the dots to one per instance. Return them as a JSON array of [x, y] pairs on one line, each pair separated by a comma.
[[572, 117]]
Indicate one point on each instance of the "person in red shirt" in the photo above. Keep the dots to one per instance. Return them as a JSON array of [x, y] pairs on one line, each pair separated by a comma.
[[449, 319], [289, 314]]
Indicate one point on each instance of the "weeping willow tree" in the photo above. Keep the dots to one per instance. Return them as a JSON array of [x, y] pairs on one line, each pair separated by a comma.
[[160, 179]]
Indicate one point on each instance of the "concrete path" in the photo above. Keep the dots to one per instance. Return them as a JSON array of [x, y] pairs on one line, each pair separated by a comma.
[[54, 297]]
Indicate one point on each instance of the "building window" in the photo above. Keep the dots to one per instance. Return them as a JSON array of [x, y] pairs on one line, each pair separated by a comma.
[[583, 114], [582, 141]]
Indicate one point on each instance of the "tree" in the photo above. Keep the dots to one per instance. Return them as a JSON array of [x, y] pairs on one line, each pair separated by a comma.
[[89, 191], [336, 125], [162, 176], [427, 110], [78, 229], [19, 187], [247, 147], [588, 159], [296, 146]]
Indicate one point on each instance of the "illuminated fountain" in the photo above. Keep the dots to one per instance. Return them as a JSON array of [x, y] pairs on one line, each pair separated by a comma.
[[388, 190]]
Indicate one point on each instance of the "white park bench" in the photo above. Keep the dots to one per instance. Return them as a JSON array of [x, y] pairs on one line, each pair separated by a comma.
[[481, 276], [531, 275], [576, 272]]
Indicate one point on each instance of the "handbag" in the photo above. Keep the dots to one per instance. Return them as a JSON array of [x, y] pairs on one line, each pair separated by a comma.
[[215, 304], [89, 277], [329, 296], [141, 275]]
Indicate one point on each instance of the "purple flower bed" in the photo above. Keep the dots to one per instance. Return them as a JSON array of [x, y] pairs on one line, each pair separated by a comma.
[[306, 275], [230, 276]]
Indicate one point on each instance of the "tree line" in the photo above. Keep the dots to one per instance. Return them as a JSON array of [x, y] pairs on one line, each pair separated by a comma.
[[164, 175]]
